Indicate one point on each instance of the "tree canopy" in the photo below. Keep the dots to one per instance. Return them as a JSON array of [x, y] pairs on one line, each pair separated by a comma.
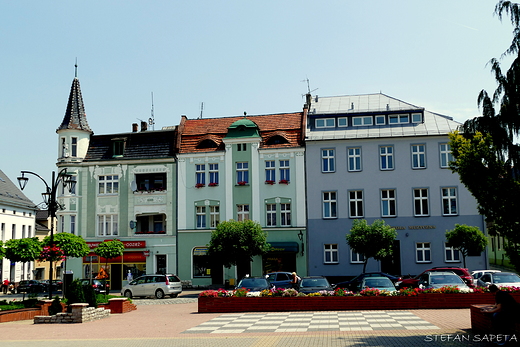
[[372, 241], [110, 249], [467, 239], [486, 150], [23, 250], [233, 240], [71, 245]]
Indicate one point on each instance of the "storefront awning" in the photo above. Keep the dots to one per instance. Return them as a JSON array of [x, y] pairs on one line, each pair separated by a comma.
[[284, 247]]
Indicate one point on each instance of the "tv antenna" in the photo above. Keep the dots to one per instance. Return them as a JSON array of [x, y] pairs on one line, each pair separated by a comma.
[[309, 91], [151, 120], [201, 109]]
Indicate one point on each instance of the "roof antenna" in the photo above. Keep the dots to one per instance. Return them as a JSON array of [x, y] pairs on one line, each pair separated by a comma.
[[201, 109], [309, 91], [151, 120], [76, 68]]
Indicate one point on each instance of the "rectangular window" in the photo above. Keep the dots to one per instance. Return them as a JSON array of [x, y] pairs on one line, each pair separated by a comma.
[[151, 224], [201, 217], [242, 212], [2, 229], [354, 159], [107, 225], [108, 184], [63, 147], [200, 174], [213, 174], [242, 147], [355, 199], [386, 154], [451, 255], [327, 160], [214, 214], [242, 173], [399, 118], [380, 120], [356, 258], [13, 231], [151, 182], [420, 200], [23, 232], [73, 224], [325, 123], [285, 214], [342, 122], [359, 121], [270, 210], [449, 201], [74, 146], [416, 118], [446, 155], [388, 203], [118, 148], [270, 171], [419, 156], [285, 173], [61, 227], [423, 252], [330, 253], [329, 205]]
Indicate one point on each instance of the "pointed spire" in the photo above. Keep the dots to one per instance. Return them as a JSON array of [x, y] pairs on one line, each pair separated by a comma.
[[75, 116]]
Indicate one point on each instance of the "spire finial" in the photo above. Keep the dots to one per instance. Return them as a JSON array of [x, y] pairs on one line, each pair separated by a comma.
[[76, 68]]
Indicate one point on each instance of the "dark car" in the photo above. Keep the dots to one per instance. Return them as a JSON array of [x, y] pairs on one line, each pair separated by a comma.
[[254, 284], [98, 285], [280, 279], [56, 285], [30, 286], [313, 284], [463, 273], [355, 283]]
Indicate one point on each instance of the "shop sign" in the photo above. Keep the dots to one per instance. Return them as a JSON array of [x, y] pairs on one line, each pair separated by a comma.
[[127, 244]]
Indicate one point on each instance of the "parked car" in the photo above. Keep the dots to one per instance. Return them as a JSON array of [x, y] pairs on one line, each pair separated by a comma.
[[56, 285], [381, 283], [439, 279], [313, 284], [153, 285], [254, 284], [500, 279], [463, 273], [280, 279], [98, 285], [354, 284], [30, 286]]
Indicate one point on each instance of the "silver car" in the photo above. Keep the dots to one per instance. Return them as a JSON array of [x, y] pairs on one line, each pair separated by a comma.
[[153, 285], [441, 279]]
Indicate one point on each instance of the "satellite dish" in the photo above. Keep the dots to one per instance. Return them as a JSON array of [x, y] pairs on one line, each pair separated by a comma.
[[133, 186]]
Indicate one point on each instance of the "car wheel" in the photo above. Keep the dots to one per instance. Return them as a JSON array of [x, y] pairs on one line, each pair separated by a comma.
[[174, 295], [128, 294], [159, 294]]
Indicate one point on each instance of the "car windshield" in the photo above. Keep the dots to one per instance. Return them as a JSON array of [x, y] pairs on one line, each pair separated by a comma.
[[505, 278], [378, 283], [444, 279], [253, 282], [314, 282]]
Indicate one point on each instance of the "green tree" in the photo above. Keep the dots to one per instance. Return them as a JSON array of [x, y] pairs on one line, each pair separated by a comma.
[[486, 152], [372, 241], [72, 246], [467, 239], [23, 250], [109, 250], [232, 241], [2, 249]]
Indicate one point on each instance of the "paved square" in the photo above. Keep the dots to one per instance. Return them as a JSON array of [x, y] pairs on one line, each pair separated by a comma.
[[312, 321]]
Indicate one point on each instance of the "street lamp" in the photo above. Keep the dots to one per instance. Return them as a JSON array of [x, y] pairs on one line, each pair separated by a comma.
[[49, 199]]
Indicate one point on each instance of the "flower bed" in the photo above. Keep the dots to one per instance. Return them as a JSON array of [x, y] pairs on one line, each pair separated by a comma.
[[281, 300]]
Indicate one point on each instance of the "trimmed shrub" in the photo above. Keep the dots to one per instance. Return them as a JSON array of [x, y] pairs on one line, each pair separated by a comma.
[[55, 306]]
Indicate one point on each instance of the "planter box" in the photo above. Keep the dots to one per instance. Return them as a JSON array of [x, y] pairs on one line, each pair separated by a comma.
[[339, 303]]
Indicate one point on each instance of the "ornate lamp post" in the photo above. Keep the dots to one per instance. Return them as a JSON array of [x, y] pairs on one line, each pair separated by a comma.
[[49, 199]]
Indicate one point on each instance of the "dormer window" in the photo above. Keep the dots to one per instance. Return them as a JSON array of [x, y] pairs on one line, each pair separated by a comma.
[[276, 140], [380, 120], [417, 118], [360, 121], [207, 143], [399, 119], [325, 123], [118, 147]]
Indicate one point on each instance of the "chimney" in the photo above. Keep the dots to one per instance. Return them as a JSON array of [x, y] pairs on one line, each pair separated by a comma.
[[144, 126], [135, 127]]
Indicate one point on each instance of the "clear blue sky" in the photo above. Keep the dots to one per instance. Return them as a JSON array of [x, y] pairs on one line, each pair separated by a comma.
[[233, 56]]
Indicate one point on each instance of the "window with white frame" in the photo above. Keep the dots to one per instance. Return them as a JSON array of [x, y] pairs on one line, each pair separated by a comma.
[[285, 214], [213, 173], [73, 224], [242, 212], [270, 171], [325, 123], [107, 225], [13, 231], [61, 227], [327, 160], [2, 229], [329, 205], [285, 173], [388, 203], [380, 120], [451, 254], [356, 258], [419, 156], [200, 174], [423, 252], [270, 218], [416, 117], [29, 231], [201, 217], [342, 122], [108, 184], [23, 232], [449, 201], [386, 155], [359, 121], [354, 158], [355, 199], [214, 214], [330, 253], [242, 172], [398, 118], [147, 182], [74, 147], [446, 155], [420, 200]]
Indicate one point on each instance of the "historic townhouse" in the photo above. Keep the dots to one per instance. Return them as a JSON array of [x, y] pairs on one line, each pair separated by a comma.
[[125, 190], [376, 157], [241, 168], [17, 221]]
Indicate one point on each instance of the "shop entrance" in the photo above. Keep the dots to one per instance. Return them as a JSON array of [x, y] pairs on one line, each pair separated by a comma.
[[279, 261], [392, 264], [115, 276]]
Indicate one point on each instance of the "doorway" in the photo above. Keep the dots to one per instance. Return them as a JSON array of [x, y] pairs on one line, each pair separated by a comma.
[[392, 264]]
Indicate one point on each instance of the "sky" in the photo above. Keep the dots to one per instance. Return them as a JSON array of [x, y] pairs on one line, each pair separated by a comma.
[[232, 57]]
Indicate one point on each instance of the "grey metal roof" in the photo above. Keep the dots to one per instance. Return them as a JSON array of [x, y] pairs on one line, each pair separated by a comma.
[[10, 194], [433, 123]]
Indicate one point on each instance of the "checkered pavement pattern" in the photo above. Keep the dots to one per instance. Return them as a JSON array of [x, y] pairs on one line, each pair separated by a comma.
[[312, 321]]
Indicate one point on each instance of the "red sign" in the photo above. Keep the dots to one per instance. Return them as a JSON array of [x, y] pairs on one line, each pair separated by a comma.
[[127, 244], [128, 257]]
